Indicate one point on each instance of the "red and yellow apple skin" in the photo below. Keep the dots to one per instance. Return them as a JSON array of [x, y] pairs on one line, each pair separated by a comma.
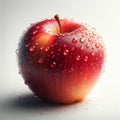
[[61, 67]]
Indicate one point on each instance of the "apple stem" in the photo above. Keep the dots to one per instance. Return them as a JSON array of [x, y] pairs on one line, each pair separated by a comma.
[[57, 18]]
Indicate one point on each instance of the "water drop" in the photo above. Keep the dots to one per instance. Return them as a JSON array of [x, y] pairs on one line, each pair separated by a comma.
[[74, 40], [78, 57], [64, 45], [92, 48], [36, 43], [91, 64], [51, 52], [41, 48], [53, 56], [87, 45], [81, 48], [53, 65], [97, 45], [47, 49], [89, 39], [26, 82], [34, 32], [86, 58], [37, 27], [93, 54], [27, 45], [70, 70], [82, 40], [65, 52], [72, 48], [40, 60], [100, 55], [32, 48], [59, 49]]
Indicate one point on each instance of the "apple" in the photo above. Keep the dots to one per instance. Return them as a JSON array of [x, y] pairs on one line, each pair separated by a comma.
[[61, 60]]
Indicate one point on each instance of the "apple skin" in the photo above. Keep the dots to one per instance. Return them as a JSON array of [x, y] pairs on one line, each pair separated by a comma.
[[61, 67]]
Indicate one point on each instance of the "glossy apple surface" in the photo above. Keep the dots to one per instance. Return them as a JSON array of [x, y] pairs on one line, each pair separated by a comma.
[[61, 67]]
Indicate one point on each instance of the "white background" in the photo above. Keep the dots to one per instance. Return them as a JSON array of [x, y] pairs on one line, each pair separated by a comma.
[[16, 100]]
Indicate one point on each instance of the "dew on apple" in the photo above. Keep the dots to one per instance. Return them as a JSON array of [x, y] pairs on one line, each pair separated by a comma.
[[82, 40], [34, 32], [72, 49], [97, 45], [37, 27], [36, 43], [41, 48], [65, 52], [40, 60], [100, 55], [70, 70], [27, 45], [53, 65], [89, 40], [91, 64], [32, 48], [86, 58], [59, 49], [64, 45], [93, 54], [26, 82], [53, 56], [47, 49], [74, 40], [78, 57], [52, 52], [87, 45], [81, 47]]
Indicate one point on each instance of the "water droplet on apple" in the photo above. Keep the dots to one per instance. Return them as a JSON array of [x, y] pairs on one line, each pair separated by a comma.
[[93, 54], [32, 48], [51, 52], [65, 52], [100, 55], [53, 56], [53, 65], [92, 48], [26, 82], [47, 49], [81, 48], [87, 45], [78, 57], [82, 40], [97, 45], [74, 40], [64, 45], [34, 32], [37, 27], [70, 70], [36, 43], [41, 48], [89, 39], [40, 60], [86, 58], [72, 49], [27, 45], [91, 64], [59, 49]]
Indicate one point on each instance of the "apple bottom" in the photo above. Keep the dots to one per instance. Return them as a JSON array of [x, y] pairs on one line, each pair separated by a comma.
[[63, 89]]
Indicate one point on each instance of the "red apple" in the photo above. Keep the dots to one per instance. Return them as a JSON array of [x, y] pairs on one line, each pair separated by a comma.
[[61, 60]]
